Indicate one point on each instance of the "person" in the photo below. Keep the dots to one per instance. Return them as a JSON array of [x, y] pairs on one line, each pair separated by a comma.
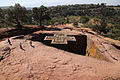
[[9, 49], [83, 31], [9, 41], [21, 46], [31, 44]]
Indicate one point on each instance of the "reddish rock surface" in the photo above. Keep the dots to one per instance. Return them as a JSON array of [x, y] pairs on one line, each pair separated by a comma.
[[48, 63]]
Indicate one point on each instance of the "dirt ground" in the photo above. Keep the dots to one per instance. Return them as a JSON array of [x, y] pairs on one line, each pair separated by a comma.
[[43, 62]]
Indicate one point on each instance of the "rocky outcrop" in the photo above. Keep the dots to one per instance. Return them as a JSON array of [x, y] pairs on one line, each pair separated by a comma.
[[101, 49]]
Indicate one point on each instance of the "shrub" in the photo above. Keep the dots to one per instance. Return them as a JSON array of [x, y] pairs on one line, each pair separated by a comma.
[[75, 24], [114, 33], [84, 19]]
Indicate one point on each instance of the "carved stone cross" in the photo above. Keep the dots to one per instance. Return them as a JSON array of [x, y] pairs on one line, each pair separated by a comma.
[[60, 38]]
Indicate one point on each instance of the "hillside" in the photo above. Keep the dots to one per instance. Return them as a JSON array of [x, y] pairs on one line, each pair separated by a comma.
[[6, 7]]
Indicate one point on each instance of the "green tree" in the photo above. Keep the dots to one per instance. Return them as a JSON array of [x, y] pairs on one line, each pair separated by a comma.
[[17, 14], [1, 15], [40, 14], [29, 21], [3, 22]]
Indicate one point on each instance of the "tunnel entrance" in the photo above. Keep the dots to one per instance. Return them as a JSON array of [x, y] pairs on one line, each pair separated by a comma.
[[77, 46]]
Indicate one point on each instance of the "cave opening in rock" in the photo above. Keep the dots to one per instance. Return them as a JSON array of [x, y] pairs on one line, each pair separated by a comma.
[[78, 47]]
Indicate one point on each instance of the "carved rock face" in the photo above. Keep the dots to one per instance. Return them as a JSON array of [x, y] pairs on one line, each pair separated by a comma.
[[60, 39]]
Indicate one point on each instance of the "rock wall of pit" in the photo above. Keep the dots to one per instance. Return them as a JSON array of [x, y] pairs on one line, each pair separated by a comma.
[[94, 51]]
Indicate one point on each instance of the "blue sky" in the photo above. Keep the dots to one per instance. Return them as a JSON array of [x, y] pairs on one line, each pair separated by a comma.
[[37, 3]]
